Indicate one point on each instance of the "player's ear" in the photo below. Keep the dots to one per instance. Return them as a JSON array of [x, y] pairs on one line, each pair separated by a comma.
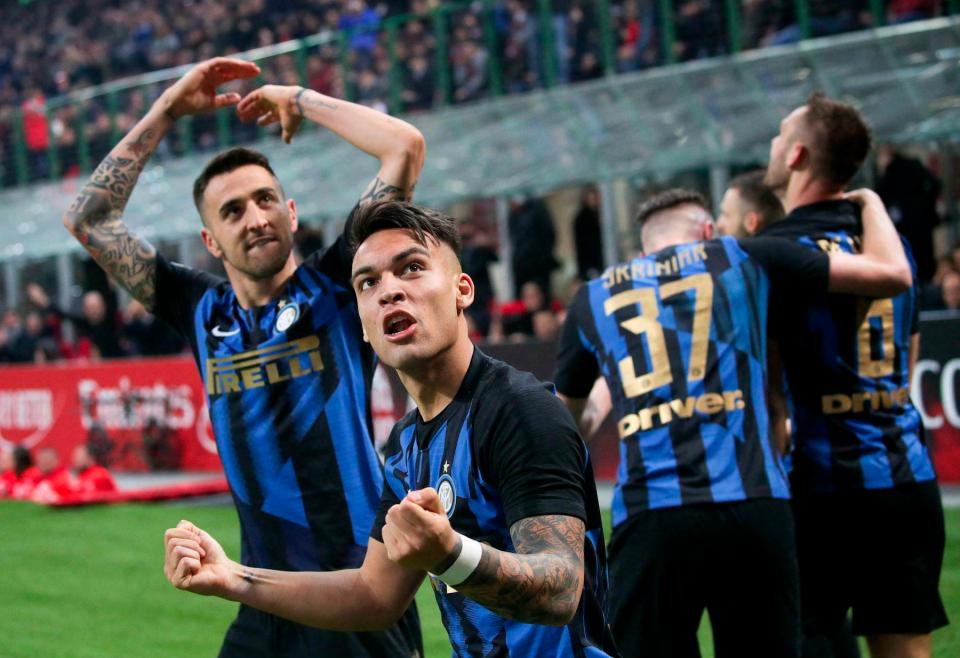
[[292, 208], [798, 156], [465, 291], [751, 222], [211, 244], [709, 229]]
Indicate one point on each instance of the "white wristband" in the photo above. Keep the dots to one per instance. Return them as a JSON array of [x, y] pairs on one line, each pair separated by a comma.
[[465, 564]]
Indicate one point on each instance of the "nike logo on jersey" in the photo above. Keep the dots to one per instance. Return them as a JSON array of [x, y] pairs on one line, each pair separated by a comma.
[[220, 333]]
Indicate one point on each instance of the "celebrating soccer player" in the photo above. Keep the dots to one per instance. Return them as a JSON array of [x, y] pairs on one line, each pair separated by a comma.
[[700, 511], [869, 518], [279, 346], [488, 485]]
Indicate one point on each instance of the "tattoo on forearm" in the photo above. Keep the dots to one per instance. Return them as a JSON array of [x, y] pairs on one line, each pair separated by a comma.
[[314, 100], [378, 190], [95, 216], [541, 582]]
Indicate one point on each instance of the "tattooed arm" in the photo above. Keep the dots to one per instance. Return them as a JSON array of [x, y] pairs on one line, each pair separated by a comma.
[[540, 584], [95, 216], [395, 143]]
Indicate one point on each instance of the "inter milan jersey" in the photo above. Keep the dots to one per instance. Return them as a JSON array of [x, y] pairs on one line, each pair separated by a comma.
[[287, 388], [503, 450], [680, 337], [847, 363]]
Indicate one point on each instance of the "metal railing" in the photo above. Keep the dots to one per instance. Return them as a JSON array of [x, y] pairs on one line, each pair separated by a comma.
[[458, 53]]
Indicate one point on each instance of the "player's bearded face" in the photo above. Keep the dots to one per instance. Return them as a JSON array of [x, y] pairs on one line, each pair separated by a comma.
[[410, 297], [249, 224]]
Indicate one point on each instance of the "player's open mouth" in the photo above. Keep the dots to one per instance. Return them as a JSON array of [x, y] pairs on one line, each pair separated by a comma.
[[398, 325]]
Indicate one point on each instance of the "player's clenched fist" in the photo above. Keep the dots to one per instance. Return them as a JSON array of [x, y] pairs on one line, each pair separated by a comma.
[[417, 533], [194, 561]]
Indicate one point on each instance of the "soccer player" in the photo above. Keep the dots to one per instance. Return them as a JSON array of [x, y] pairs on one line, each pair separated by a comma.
[[868, 513], [748, 206], [279, 347], [488, 485], [700, 511]]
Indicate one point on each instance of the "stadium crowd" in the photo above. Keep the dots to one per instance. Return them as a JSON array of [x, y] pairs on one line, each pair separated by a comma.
[[46, 480], [50, 49]]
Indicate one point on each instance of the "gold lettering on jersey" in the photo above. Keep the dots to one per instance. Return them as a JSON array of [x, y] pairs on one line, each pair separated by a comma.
[[638, 270], [840, 403], [265, 366], [664, 413], [834, 244]]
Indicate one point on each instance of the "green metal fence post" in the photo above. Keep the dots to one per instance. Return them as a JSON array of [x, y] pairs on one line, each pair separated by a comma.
[[53, 157], [83, 141], [20, 158], [493, 49], [607, 40], [877, 10], [733, 24], [301, 60], [442, 60], [548, 51], [669, 32], [343, 48], [953, 6], [395, 79], [113, 107], [223, 127], [803, 18], [185, 133]]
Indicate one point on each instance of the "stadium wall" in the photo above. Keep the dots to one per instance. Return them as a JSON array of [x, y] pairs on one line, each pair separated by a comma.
[[65, 404]]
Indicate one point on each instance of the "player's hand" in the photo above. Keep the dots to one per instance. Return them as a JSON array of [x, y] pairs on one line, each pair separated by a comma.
[[864, 197], [194, 561], [272, 104], [37, 296], [196, 91], [417, 533]]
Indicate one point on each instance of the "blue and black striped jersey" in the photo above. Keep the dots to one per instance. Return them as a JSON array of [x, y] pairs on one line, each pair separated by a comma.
[[847, 365], [680, 337], [503, 450], [287, 389]]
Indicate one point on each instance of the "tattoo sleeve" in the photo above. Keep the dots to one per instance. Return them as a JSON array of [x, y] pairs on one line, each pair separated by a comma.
[[540, 583], [94, 217]]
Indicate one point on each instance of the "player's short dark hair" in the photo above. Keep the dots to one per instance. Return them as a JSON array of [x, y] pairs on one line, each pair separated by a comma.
[[759, 196], [387, 214], [224, 163], [677, 196], [840, 138]]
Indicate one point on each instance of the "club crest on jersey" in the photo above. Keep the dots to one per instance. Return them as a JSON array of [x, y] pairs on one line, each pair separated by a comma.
[[448, 494], [286, 318]]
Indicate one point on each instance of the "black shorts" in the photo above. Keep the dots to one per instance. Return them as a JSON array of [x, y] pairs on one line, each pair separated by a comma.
[[878, 552], [255, 634], [736, 560]]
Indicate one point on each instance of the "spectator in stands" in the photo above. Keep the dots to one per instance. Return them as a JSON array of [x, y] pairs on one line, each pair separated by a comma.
[[93, 323], [943, 293], [19, 475], [477, 253], [904, 11], [8, 472], [419, 84], [144, 334], [532, 316], [55, 481], [748, 206], [698, 29], [826, 17], [910, 192], [160, 447], [532, 238], [586, 235], [91, 476]]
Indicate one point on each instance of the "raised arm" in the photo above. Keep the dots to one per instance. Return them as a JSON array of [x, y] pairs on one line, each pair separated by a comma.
[[882, 270], [372, 597], [95, 216], [395, 143], [540, 584]]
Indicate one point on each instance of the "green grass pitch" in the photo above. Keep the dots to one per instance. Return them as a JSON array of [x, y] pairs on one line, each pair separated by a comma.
[[88, 583]]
